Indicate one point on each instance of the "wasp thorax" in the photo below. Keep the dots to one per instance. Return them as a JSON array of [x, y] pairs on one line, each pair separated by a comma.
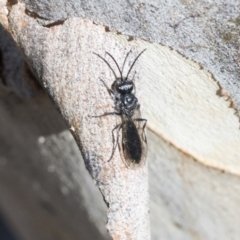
[[129, 101]]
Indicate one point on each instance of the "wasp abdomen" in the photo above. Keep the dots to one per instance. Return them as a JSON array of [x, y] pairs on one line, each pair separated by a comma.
[[131, 142]]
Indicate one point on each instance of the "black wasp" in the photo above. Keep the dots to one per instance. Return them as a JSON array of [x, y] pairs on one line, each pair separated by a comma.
[[133, 143]]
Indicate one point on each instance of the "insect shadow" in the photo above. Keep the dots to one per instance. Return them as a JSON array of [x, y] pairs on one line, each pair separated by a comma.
[[132, 142]]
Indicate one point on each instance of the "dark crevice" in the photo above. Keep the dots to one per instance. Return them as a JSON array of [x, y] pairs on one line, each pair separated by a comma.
[[130, 38], [10, 3], [107, 29], [33, 83], [219, 91], [228, 98], [6, 230], [56, 23], [34, 15], [48, 25], [28, 71], [2, 68]]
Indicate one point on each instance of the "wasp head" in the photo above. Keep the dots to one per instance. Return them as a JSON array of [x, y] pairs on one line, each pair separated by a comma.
[[123, 86]]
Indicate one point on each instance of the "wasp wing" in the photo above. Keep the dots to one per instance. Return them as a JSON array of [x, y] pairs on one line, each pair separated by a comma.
[[133, 143]]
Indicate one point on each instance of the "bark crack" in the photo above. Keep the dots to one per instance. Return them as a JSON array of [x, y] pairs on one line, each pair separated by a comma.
[[45, 22]]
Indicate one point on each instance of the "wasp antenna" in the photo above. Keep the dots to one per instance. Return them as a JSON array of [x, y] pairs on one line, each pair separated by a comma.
[[135, 61], [125, 60], [106, 63], [116, 64]]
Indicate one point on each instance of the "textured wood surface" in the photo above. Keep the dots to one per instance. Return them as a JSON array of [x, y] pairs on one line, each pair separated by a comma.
[[187, 83]]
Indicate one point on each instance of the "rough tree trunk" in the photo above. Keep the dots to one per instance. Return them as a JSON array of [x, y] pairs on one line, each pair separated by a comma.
[[188, 86]]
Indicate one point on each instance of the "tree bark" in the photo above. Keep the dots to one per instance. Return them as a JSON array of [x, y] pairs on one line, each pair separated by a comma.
[[187, 84]]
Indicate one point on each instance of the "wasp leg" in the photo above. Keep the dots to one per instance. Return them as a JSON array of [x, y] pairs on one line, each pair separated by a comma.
[[106, 114], [119, 126], [141, 120]]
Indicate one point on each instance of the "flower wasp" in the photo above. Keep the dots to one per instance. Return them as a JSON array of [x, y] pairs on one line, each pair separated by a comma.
[[132, 142]]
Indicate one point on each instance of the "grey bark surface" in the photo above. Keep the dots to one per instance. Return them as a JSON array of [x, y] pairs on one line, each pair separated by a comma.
[[206, 31], [188, 84]]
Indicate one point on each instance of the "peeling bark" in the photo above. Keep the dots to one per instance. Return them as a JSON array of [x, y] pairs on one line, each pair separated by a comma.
[[188, 89]]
